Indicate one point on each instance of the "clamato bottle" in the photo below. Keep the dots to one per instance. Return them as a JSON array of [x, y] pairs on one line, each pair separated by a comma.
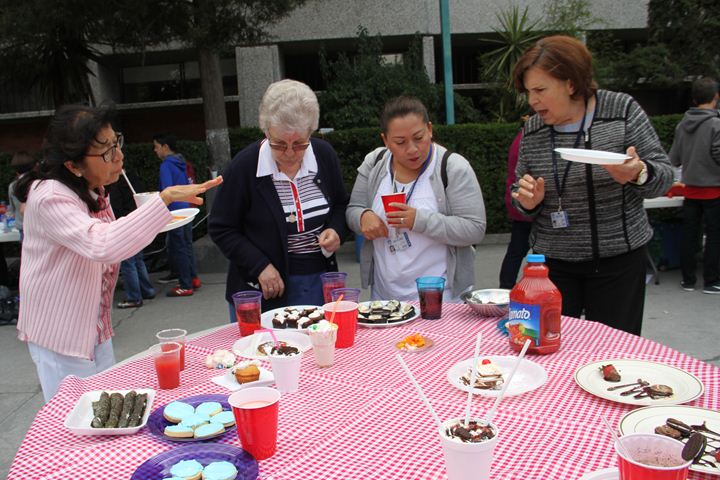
[[535, 307]]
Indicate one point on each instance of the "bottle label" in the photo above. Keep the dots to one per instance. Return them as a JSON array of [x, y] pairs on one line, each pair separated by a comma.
[[524, 323]]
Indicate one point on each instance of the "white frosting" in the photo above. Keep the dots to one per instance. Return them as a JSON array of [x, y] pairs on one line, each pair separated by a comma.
[[220, 359], [488, 369], [245, 364], [323, 326]]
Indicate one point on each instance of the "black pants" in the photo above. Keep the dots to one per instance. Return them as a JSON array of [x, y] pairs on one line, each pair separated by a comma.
[[694, 212], [516, 251], [610, 291]]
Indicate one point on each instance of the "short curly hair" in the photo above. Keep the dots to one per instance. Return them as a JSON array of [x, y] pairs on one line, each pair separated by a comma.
[[289, 105]]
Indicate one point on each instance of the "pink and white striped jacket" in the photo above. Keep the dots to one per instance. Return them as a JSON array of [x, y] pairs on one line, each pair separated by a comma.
[[63, 255]]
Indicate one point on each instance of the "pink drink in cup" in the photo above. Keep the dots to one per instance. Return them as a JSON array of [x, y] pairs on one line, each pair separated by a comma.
[[346, 320], [167, 364], [654, 457], [392, 198], [247, 311], [256, 415], [467, 460], [323, 336], [430, 292], [177, 335], [331, 281]]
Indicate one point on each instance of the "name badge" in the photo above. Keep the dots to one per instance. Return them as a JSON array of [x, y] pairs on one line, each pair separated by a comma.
[[399, 243], [560, 219]]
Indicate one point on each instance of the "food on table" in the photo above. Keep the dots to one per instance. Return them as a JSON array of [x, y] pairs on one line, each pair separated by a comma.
[[226, 418], [610, 373], [179, 431], [284, 351], [113, 410], [643, 389], [412, 342], [192, 469], [195, 420], [385, 312], [177, 218], [220, 471], [298, 317], [246, 371], [209, 430], [475, 432], [208, 408], [264, 348], [176, 411], [488, 377], [187, 469], [220, 359], [697, 438], [138, 410], [208, 419]]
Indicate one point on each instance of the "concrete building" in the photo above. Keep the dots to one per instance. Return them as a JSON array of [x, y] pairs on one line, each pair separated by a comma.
[[165, 90]]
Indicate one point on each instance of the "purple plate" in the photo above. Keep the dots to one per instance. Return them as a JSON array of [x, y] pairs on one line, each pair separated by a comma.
[[159, 466], [156, 421]]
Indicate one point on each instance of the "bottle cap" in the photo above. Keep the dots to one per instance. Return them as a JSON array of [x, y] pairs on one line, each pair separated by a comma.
[[536, 258]]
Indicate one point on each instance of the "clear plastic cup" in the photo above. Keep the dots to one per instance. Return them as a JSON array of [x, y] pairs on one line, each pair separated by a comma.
[[247, 311], [331, 281], [430, 293], [143, 197], [177, 335], [349, 294], [465, 460], [323, 342], [166, 357]]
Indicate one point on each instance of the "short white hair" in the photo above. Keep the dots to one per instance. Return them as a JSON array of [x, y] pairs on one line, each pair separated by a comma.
[[289, 105]]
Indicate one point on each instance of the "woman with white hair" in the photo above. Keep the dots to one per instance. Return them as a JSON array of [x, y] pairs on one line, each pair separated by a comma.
[[281, 216]]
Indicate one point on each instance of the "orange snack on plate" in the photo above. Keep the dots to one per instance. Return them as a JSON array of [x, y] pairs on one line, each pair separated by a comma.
[[413, 342]]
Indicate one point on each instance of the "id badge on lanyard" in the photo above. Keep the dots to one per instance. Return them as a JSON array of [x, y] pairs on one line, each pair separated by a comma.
[[399, 242]]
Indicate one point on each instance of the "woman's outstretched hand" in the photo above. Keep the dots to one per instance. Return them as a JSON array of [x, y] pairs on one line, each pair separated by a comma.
[[189, 193]]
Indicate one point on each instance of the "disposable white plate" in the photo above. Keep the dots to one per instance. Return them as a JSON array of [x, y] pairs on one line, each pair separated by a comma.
[[79, 419], [390, 324], [247, 346], [267, 317], [228, 380], [598, 157], [644, 420], [686, 387], [604, 474], [188, 213], [528, 376]]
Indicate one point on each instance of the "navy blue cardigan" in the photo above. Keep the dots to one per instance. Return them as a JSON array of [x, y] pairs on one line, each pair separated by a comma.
[[247, 221]]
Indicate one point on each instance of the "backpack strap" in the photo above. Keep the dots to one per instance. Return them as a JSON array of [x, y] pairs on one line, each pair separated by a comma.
[[443, 168], [379, 156]]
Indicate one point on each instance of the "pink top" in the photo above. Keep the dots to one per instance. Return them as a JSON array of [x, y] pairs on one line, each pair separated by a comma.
[[65, 253]]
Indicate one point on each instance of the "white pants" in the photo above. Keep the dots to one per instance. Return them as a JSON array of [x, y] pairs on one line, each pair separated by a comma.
[[53, 367]]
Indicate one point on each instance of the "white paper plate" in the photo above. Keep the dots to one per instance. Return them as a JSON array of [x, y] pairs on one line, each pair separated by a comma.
[[267, 317], [247, 346], [644, 420], [392, 324], [686, 387], [597, 157], [228, 381], [79, 419], [188, 213], [528, 376], [604, 474]]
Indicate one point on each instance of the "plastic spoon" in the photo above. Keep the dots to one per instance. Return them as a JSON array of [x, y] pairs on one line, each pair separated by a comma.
[[473, 377]]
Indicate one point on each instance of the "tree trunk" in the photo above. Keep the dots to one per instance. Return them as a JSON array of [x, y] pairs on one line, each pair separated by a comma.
[[216, 128]]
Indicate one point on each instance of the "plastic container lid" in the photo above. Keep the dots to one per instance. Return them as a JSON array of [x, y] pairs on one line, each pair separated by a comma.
[[536, 258]]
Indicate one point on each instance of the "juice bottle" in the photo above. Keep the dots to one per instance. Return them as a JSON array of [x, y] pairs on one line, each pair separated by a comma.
[[535, 307]]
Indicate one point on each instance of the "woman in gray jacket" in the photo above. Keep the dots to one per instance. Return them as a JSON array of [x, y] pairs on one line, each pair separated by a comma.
[[443, 216]]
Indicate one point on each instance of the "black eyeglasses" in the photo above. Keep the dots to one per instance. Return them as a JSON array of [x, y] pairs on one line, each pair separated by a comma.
[[283, 147], [109, 154]]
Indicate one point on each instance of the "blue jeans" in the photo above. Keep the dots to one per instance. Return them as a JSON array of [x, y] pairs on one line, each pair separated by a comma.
[[136, 279], [181, 255]]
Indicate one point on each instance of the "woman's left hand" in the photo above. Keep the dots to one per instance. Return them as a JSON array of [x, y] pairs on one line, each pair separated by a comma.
[[403, 218], [189, 193], [628, 171], [329, 240]]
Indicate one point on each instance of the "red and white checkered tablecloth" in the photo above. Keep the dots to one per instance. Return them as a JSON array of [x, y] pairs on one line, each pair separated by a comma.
[[362, 419]]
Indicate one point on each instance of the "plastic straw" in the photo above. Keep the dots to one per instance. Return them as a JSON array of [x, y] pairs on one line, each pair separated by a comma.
[[128, 182], [272, 334], [493, 410], [418, 389], [625, 453], [473, 377], [337, 303]]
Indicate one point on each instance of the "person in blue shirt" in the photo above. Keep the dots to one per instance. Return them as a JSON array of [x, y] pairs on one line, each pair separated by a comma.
[[173, 171]]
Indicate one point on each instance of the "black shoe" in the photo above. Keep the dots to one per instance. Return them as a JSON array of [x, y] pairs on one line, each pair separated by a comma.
[[129, 304], [149, 297], [169, 278], [688, 287], [712, 289]]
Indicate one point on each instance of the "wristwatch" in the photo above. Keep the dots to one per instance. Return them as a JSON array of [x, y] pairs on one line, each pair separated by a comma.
[[642, 176]]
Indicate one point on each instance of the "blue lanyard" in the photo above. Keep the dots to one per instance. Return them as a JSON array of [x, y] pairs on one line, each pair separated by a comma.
[[412, 189], [561, 187]]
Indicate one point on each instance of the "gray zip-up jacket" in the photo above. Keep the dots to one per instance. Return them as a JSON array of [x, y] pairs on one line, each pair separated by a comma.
[[459, 223], [606, 219], [697, 147]]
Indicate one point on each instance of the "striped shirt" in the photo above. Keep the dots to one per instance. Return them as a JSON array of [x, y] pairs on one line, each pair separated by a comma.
[[67, 274], [606, 219], [109, 275]]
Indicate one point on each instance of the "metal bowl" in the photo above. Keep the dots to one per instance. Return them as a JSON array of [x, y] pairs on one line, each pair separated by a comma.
[[488, 302]]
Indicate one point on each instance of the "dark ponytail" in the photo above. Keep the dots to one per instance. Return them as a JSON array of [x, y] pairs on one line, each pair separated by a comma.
[[70, 134]]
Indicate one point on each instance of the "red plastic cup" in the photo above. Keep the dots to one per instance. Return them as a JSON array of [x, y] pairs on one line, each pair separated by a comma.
[[247, 311], [346, 319], [177, 335], [256, 416], [392, 198], [167, 364], [664, 453], [331, 281]]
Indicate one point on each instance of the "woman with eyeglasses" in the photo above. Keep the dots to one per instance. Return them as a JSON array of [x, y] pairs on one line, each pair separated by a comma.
[[73, 244], [433, 232], [281, 215]]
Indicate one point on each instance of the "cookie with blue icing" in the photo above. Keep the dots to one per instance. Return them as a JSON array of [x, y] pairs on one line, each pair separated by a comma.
[[179, 431], [219, 471], [175, 412], [195, 420], [209, 430], [226, 418], [187, 470], [208, 408]]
